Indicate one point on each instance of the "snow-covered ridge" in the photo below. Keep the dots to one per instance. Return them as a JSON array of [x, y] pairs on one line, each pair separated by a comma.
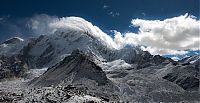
[[12, 46], [13, 40], [78, 24], [193, 59]]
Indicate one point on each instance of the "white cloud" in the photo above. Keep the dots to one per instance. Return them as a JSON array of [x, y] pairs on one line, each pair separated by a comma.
[[44, 24], [113, 14], [80, 25], [5, 17], [164, 51], [1, 19], [175, 58], [110, 12], [143, 13], [170, 36], [105, 6], [39, 24]]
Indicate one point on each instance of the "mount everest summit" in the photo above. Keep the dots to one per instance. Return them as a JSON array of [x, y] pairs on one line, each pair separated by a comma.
[[79, 55]]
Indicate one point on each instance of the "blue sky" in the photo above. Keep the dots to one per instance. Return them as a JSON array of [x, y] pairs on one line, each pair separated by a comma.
[[101, 12], [106, 14]]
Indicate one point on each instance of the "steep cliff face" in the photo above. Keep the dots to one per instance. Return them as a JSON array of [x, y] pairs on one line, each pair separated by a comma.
[[78, 69], [78, 66], [11, 67], [12, 46], [186, 74], [47, 50]]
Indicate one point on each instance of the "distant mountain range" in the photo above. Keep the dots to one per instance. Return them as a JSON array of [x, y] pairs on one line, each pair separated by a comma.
[[79, 58]]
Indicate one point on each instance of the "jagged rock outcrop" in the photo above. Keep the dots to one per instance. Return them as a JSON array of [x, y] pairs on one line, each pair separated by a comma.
[[78, 69], [11, 67], [48, 50], [186, 74], [61, 94], [145, 59], [77, 64]]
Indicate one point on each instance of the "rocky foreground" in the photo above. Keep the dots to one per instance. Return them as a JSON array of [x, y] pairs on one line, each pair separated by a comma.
[[79, 78], [56, 94]]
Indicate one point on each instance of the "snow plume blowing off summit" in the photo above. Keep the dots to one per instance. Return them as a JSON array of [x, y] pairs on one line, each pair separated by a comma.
[[66, 24], [170, 36]]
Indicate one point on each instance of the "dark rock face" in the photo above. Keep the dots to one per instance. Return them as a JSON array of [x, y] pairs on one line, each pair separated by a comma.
[[12, 67], [46, 57], [79, 70], [186, 75], [24, 53], [79, 65], [187, 83], [147, 60]]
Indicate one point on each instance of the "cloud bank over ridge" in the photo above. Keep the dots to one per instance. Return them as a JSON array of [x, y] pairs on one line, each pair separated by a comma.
[[170, 36]]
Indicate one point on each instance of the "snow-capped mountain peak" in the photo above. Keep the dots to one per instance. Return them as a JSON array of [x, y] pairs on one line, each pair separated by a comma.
[[13, 40], [68, 34], [11, 46], [77, 24]]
